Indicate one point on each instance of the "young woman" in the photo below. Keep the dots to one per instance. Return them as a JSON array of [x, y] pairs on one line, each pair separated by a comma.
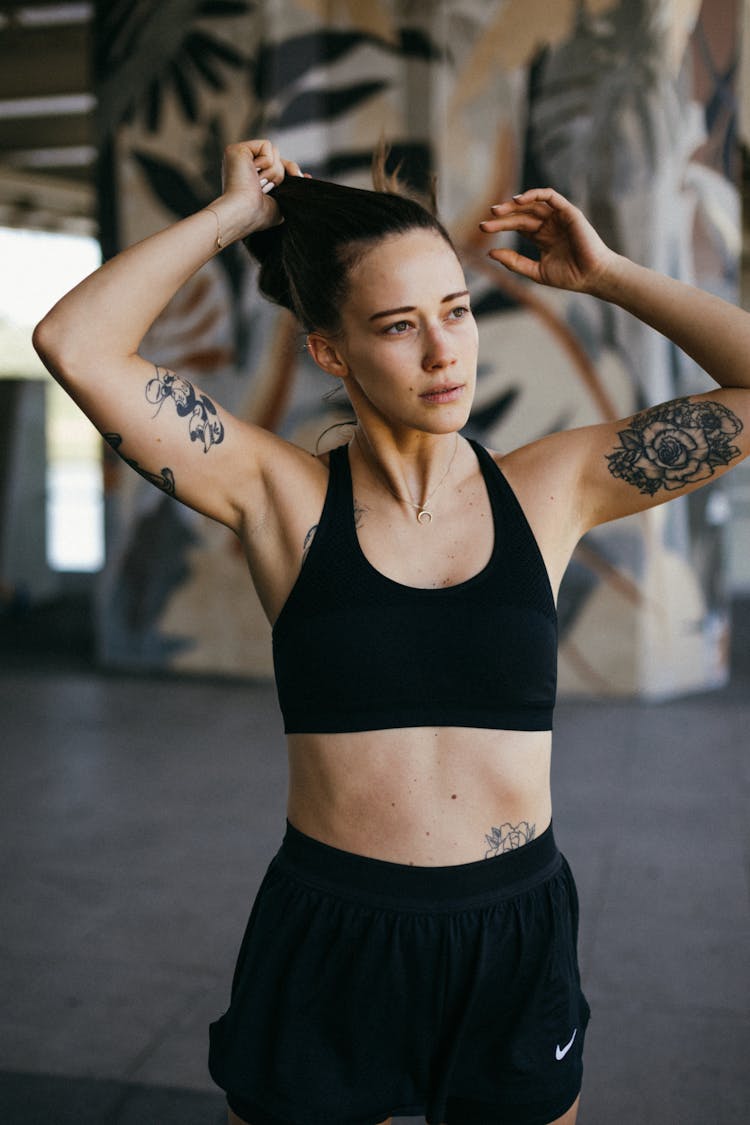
[[412, 949]]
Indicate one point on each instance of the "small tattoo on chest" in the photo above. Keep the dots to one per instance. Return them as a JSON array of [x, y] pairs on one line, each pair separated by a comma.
[[508, 837], [359, 514], [308, 541]]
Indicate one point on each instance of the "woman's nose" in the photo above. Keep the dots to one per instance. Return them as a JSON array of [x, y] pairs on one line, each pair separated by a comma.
[[439, 352]]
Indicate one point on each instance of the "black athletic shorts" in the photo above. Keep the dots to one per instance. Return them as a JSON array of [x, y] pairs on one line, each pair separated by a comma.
[[365, 988]]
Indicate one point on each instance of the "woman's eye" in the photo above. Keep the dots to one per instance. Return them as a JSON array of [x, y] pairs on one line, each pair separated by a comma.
[[398, 328], [460, 312]]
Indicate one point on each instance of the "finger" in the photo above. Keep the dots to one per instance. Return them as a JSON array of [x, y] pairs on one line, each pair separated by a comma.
[[544, 195], [516, 262], [268, 161], [277, 170], [271, 170], [511, 207], [528, 224], [292, 168], [262, 150], [240, 152], [239, 166], [540, 210]]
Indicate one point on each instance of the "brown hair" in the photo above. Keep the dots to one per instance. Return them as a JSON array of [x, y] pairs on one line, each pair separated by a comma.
[[306, 260]]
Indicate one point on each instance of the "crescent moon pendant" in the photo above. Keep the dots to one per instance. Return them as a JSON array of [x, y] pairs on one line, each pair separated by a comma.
[[424, 516]]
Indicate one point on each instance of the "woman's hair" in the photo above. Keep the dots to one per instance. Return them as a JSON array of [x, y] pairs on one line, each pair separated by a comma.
[[305, 261]]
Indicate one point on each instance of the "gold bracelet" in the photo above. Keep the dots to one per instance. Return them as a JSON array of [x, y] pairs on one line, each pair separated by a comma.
[[219, 242]]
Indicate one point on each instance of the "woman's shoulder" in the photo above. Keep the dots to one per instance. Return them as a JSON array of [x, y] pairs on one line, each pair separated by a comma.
[[550, 454], [543, 474]]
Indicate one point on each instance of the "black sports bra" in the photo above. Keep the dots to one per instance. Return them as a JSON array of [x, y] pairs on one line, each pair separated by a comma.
[[354, 650]]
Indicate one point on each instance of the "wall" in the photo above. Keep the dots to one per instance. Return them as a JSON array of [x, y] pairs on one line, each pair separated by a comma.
[[627, 106]]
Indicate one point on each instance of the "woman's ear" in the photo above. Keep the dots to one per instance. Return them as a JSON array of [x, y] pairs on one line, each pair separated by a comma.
[[327, 356]]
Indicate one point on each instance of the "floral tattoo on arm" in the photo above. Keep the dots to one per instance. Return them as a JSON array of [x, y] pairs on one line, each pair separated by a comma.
[[675, 444], [204, 425]]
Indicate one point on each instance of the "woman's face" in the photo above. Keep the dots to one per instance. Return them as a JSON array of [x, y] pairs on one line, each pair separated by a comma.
[[409, 340]]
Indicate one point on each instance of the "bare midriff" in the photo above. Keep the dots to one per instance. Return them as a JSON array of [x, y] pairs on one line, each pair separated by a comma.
[[428, 796]]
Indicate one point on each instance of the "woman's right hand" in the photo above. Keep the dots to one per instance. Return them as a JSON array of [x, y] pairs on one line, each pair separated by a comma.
[[250, 171]]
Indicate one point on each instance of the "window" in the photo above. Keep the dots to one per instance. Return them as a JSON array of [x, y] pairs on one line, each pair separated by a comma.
[[38, 268]]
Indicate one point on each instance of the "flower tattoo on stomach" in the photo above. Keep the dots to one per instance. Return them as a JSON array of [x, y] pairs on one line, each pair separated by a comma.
[[675, 444], [508, 837]]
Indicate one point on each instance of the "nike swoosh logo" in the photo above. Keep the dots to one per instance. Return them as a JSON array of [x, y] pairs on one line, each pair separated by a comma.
[[561, 1052]]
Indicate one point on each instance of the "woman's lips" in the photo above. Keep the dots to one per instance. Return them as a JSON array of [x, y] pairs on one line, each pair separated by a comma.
[[443, 394]]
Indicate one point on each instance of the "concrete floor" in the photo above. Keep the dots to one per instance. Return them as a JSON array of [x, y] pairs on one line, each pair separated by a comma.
[[138, 817]]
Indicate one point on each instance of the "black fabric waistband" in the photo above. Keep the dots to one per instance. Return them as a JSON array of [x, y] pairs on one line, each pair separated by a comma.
[[379, 882]]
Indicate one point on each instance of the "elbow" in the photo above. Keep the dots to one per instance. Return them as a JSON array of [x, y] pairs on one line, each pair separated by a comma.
[[49, 346], [42, 339]]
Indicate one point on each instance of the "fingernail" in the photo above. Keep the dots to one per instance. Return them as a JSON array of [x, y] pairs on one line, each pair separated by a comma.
[[268, 187], [263, 182], [519, 196]]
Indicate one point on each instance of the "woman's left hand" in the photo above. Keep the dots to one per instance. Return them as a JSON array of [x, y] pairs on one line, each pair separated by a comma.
[[572, 255]]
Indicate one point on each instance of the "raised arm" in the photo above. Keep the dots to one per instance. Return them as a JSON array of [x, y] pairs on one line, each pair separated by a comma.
[[665, 450], [162, 425]]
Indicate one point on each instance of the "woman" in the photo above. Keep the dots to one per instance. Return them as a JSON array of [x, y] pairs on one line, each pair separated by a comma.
[[412, 948]]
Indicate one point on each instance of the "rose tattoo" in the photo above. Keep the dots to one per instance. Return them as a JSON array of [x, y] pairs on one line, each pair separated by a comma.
[[678, 443]]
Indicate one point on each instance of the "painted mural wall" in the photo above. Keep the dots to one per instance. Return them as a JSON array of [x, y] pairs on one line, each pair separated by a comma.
[[626, 106]]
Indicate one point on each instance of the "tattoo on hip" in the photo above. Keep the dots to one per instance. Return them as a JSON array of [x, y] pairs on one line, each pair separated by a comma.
[[508, 837]]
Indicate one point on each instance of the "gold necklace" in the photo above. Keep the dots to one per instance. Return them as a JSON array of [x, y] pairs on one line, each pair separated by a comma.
[[423, 515]]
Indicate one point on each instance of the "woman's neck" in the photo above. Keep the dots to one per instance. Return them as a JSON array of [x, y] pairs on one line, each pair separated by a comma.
[[413, 468]]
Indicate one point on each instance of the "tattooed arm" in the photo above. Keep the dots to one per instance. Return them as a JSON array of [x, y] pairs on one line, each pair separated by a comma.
[[624, 467], [163, 426]]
